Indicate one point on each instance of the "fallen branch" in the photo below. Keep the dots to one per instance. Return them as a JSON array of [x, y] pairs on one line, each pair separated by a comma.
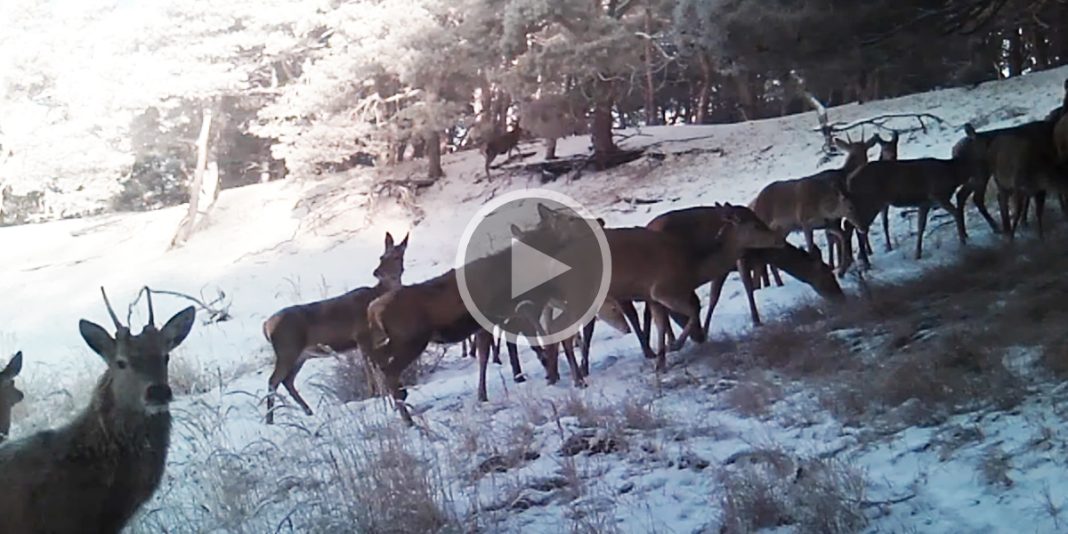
[[880, 121], [218, 309], [898, 500]]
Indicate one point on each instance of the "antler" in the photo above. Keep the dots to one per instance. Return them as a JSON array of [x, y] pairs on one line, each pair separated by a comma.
[[151, 313], [115, 318]]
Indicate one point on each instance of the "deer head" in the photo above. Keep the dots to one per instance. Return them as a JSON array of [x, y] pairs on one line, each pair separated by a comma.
[[137, 364], [888, 149], [391, 262], [747, 230], [856, 151]]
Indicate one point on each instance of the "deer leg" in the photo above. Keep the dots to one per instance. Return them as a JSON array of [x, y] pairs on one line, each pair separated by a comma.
[[747, 283], [632, 317], [587, 337], [1003, 208], [1023, 208], [921, 222], [513, 361], [288, 382], [576, 371], [979, 200], [684, 303], [958, 218], [1040, 207], [662, 325], [483, 340], [830, 249], [713, 299], [886, 227], [776, 276], [495, 349]]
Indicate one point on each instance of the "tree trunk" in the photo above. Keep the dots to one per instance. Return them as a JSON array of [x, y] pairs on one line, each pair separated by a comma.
[[650, 87], [419, 148], [601, 128], [188, 224], [1041, 47], [704, 89], [433, 153], [1016, 53], [550, 148]]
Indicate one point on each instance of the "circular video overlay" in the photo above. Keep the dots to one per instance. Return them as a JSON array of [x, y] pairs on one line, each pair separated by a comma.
[[534, 265]]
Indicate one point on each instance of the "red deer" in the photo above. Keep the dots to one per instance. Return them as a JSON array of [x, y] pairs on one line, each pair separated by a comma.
[[9, 394], [93, 474], [336, 323], [975, 147], [503, 143], [887, 152], [817, 201], [404, 321], [664, 270], [921, 183], [1024, 167], [695, 225]]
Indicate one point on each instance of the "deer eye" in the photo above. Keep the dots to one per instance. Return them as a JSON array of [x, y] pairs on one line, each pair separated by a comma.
[[121, 364]]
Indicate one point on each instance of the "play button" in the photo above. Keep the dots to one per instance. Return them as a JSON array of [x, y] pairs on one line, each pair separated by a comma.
[[534, 264], [537, 268]]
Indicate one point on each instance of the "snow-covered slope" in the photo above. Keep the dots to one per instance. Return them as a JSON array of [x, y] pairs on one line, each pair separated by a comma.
[[268, 246]]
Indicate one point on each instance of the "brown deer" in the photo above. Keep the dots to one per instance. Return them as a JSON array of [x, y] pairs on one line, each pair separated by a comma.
[[1024, 167], [404, 321], [503, 143], [335, 322], [663, 270], [921, 183], [975, 146], [816, 201], [9, 394], [94, 473]]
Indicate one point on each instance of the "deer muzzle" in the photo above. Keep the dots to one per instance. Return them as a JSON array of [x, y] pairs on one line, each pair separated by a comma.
[[158, 394]]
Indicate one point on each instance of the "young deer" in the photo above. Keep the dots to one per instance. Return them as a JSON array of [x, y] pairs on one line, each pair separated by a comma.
[[94, 473], [404, 321], [921, 183], [503, 143], [9, 394], [336, 322], [817, 201]]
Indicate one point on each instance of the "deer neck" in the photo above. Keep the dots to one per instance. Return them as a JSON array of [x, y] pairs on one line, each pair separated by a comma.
[[388, 284], [713, 264], [106, 429]]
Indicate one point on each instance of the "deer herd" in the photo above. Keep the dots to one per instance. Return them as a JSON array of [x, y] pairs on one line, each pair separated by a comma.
[[104, 464]]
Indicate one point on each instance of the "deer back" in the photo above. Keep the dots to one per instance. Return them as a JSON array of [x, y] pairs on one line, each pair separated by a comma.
[[9, 394]]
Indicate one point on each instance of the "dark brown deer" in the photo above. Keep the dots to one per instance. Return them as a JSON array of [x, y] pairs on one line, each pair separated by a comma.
[[94, 473], [503, 143], [335, 323], [812, 202], [9, 394], [922, 183], [404, 321], [887, 152]]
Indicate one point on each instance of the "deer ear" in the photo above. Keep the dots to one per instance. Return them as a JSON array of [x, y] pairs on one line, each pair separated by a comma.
[[544, 212], [404, 242], [98, 339], [389, 240], [516, 232], [600, 221], [177, 328], [969, 130], [13, 367]]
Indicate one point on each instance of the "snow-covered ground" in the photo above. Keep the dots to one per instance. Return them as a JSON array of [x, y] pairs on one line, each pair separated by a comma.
[[271, 245]]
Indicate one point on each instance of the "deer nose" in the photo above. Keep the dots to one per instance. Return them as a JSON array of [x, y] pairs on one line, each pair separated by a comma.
[[158, 394]]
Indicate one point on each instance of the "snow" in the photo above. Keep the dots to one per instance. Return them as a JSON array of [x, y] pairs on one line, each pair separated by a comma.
[[272, 245]]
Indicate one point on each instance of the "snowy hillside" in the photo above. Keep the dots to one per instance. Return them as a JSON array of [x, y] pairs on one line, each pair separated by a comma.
[[497, 467]]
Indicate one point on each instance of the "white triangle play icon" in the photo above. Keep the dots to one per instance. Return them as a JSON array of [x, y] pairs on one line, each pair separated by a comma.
[[532, 268]]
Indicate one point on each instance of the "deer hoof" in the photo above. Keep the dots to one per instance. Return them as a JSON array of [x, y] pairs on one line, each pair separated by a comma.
[[520, 378]]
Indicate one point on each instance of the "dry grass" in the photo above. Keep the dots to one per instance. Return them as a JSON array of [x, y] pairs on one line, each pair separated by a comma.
[[363, 476], [753, 395], [994, 468], [822, 496]]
